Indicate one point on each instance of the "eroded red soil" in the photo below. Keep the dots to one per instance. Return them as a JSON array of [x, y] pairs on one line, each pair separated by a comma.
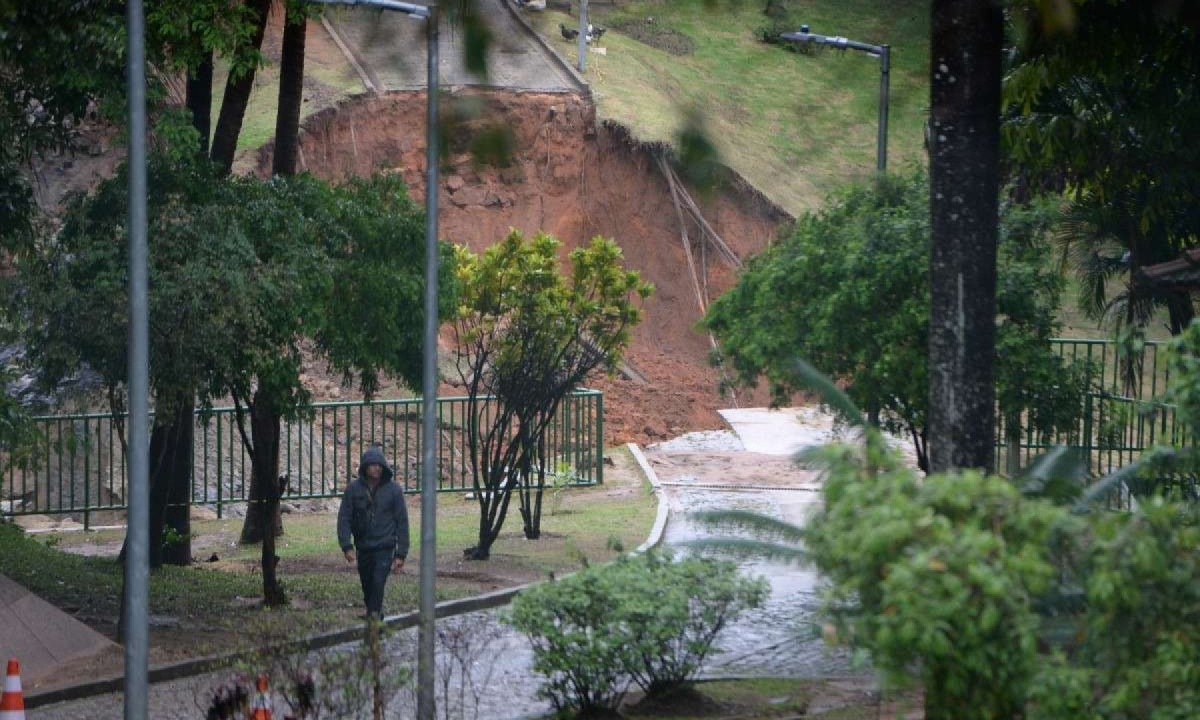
[[574, 180]]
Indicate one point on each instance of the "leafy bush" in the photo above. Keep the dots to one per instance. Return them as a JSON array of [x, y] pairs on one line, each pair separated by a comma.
[[645, 619], [1133, 649], [941, 572], [1008, 605], [677, 609]]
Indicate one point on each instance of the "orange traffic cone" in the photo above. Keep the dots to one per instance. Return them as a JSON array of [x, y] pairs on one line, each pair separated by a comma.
[[260, 709], [12, 703]]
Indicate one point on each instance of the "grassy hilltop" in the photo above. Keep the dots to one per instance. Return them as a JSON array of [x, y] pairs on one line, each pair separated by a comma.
[[796, 126]]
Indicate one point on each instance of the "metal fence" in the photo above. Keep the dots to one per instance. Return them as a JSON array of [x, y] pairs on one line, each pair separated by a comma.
[[78, 465], [1121, 416]]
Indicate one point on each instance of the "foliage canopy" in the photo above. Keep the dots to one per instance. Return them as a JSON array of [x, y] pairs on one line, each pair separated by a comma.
[[848, 289], [527, 335]]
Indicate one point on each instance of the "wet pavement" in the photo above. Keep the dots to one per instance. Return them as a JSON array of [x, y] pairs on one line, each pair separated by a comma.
[[492, 679]]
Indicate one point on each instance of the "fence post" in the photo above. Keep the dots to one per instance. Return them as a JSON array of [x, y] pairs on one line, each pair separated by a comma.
[[220, 480], [1087, 440], [87, 477], [599, 438]]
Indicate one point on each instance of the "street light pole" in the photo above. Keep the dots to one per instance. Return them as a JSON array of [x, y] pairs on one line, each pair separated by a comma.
[[884, 53], [426, 709], [426, 703], [134, 621]]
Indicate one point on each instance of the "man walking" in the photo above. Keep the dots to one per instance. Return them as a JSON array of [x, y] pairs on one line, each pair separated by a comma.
[[372, 527]]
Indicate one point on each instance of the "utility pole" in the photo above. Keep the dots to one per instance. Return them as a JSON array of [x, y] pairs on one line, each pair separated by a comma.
[[582, 39]]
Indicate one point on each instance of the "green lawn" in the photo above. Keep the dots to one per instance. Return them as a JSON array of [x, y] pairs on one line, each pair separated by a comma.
[[796, 126], [208, 600]]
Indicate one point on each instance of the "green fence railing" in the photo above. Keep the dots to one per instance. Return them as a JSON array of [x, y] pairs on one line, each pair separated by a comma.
[[78, 465], [1120, 419]]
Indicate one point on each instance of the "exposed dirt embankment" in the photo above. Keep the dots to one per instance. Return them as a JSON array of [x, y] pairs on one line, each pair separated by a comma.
[[574, 180]]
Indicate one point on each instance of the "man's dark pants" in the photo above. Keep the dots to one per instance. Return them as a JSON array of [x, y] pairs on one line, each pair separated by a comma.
[[374, 566]]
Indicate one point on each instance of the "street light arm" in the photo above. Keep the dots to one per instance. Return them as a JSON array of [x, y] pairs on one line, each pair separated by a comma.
[[420, 11], [883, 52], [832, 40]]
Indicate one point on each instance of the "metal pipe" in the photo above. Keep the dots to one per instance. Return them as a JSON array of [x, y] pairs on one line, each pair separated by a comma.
[[581, 38], [420, 11], [885, 62], [137, 567], [426, 708]]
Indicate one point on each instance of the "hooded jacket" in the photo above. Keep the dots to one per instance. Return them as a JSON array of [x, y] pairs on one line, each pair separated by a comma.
[[373, 520]]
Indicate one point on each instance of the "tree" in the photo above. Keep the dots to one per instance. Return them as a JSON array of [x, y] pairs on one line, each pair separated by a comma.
[[849, 290], [73, 303], [190, 34], [56, 59], [241, 269], [964, 179], [526, 336], [342, 265], [1122, 76]]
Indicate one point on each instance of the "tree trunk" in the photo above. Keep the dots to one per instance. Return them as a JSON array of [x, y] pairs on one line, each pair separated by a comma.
[[236, 97], [170, 490], [493, 498], [266, 487], [199, 99], [533, 481], [264, 478], [495, 459], [177, 464], [965, 68], [1180, 310], [291, 93]]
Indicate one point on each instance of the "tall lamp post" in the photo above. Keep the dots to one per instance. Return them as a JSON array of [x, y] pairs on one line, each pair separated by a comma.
[[134, 619], [425, 644], [883, 52]]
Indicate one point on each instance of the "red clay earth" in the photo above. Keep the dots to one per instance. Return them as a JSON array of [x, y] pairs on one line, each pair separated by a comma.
[[575, 180]]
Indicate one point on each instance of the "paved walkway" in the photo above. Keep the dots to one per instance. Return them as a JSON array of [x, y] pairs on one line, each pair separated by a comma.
[[698, 471], [41, 635], [389, 48]]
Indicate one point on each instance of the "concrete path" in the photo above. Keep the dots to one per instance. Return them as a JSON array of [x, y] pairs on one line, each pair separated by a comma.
[[40, 635], [389, 48]]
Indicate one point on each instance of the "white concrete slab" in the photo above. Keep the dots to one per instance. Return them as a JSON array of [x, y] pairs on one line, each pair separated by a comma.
[[782, 431]]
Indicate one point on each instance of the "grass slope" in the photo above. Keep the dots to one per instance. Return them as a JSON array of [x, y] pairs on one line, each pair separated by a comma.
[[796, 126]]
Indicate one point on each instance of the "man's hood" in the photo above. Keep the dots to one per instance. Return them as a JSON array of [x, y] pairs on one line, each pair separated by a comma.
[[374, 456]]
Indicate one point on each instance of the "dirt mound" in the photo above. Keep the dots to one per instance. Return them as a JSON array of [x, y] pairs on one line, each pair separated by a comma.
[[574, 180]]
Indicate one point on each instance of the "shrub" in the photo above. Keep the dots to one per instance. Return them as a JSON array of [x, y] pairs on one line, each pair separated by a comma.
[[676, 610], [940, 574], [645, 619]]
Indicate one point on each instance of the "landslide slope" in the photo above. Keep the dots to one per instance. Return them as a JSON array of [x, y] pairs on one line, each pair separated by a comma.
[[575, 180]]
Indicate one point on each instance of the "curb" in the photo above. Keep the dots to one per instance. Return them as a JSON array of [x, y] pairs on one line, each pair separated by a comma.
[[660, 520], [446, 608]]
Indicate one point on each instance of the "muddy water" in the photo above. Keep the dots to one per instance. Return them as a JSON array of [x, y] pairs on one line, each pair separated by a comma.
[[781, 638]]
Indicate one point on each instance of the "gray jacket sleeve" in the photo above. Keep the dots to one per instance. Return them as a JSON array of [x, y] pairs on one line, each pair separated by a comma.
[[401, 511], [345, 512]]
